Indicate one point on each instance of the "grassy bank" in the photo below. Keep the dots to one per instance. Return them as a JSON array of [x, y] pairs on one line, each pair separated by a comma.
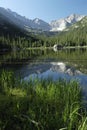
[[40, 104]]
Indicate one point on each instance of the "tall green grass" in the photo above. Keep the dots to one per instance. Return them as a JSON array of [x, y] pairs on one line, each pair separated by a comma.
[[40, 104]]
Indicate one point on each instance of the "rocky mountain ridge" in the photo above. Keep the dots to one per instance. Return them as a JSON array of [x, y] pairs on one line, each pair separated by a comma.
[[38, 24]]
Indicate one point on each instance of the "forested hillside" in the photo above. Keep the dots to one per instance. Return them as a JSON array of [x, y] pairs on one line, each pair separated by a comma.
[[11, 36], [72, 36]]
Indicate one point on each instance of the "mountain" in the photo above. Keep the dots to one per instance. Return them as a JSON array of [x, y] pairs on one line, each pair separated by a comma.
[[74, 35], [24, 22], [81, 25], [8, 27], [38, 24], [61, 24], [13, 36]]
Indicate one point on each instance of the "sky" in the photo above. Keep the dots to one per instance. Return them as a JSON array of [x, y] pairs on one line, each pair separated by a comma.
[[46, 10]]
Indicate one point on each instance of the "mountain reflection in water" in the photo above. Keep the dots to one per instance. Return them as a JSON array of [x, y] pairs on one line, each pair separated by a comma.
[[54, 70], [62, 67]]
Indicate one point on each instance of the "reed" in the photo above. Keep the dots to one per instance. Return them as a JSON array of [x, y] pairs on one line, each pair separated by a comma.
[[40, 104]]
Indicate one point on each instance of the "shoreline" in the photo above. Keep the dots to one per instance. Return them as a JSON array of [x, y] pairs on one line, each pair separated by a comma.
[[67, 47], [44, 48]]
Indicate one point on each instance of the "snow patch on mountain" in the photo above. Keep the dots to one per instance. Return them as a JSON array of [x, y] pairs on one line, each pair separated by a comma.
[[60, 25], [38, 24], [74, 18]]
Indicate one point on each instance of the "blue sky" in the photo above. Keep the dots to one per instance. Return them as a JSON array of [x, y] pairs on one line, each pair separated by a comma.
[[46, 9]]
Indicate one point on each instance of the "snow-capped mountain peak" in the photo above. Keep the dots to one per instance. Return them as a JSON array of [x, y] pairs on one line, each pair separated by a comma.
[[38, 24], [37, 20], [74, 18], [61, 24]]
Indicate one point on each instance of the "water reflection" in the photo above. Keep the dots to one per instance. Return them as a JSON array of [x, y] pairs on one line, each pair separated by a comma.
[[65, 63], [51, 69], [62, 67], [55, 71], [21, 60]]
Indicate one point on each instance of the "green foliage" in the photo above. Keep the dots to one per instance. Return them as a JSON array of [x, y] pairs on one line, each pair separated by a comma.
[[72, 57], [83, 125], [7, 81], [40, 104]]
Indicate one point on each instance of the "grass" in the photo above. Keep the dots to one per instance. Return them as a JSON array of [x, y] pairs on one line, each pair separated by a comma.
[[40, 104]]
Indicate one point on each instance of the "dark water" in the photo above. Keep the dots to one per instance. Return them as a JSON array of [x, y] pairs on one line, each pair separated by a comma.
[[67, 64]]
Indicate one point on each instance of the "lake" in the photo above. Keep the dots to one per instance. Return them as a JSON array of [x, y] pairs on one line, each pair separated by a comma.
[[65, 64]]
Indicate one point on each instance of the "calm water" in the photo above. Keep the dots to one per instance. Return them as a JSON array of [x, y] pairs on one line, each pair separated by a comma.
[[67, 64]]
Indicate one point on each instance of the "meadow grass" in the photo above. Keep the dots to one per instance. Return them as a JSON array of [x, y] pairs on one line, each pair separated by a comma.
[[40, 104]]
